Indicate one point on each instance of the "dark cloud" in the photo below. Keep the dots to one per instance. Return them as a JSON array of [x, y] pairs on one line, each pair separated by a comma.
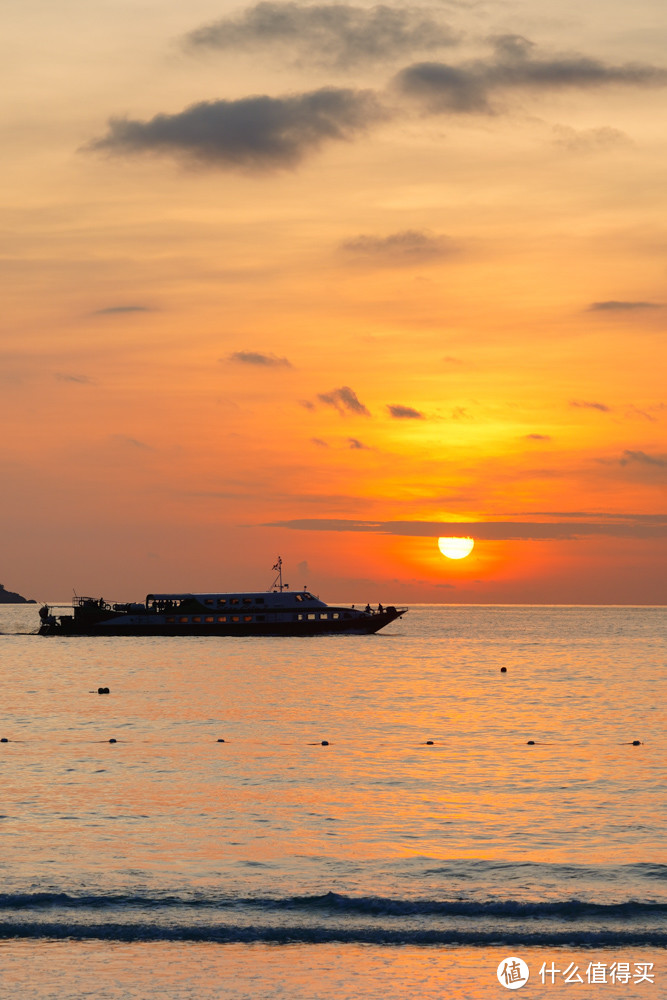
[[259, 360], [491, 530], [357, 445], [404, 412], [331, 34], [657, 461], [78, 379], [115, 310], [319, 442], [411, 246], [344, 400], [583, 404], [513, 66], [617, 306], [251, 134], [537, 437]]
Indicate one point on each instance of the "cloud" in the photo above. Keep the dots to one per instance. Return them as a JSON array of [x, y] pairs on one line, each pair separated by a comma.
[[471, 86], [583, 404], [131, 442], [618, 306], [259, 360], [658, 461], [590, 140], [344, 399], [404, 412], [411, 246], [537, 437], [357, 445], [319, 442], [622, 527], [331, 34], [116, 310], [78, 379], [255, 134]]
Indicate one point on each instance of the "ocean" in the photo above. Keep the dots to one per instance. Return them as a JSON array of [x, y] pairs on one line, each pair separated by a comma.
[[348, 817]]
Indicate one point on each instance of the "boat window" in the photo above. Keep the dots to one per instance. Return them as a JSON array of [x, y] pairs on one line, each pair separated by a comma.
[[234, 600], [235, 618], [183, 620], [197, 618], [170, 620], [335, 615], [247, 600], [308, 597], [209, 600], [222, 600], [261, 618], [209, 618], [312, 617], [247, 618], [299, 597], [324, 616], [259, 600], [222, 618]]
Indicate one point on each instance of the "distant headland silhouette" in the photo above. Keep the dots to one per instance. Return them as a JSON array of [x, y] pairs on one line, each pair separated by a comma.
[[8, 597]]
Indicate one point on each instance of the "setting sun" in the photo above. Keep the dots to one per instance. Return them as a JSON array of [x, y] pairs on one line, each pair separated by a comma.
[[456, 548]]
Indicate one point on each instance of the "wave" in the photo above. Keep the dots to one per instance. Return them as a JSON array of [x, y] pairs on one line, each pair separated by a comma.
[[231, 933], [341, 904]]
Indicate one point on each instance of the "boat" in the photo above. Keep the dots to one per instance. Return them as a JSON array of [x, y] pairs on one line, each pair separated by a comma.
[[278, 611]]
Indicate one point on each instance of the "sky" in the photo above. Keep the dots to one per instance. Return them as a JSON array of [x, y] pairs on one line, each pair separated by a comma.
[[329, 281]]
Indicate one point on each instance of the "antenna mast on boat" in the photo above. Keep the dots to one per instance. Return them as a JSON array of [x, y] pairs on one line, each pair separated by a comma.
[[278, 582]]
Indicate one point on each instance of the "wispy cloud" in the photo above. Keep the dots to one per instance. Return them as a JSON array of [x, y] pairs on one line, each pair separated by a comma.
[[328, 34], [344, 400], [473, 86], [614, 305], [410, 246], [622, 527], [259, 360], [583, 404], [255, 134], [643, 458], [77, 379], [118, 310], [590, 140], [356, 445], [537, 437], [401, 412]]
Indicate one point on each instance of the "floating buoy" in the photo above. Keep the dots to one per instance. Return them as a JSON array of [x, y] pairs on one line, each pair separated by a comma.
[[4, 740], [636, 743], [112, 740], [429, 743], [503, 670], [103, 691], [324, 743], [531, 743], [220, 741]]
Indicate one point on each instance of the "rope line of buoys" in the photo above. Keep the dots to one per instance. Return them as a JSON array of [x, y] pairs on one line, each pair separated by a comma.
[[326, 743]]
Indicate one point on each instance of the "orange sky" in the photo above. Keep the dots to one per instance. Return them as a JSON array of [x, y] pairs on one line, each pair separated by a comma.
[[317, 280]]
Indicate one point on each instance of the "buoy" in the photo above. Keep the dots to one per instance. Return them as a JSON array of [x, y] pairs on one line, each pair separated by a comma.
[[220, 741], [103, 691], [112, 740], [4, 740], [324, 743], [531, 743], [503, 670], [429, 743], [636, 743]]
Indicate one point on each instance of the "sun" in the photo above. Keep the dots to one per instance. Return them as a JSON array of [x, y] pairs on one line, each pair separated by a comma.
[[456, 548]]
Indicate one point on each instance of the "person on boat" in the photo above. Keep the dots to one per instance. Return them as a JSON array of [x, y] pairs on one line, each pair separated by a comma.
[[367, 609], [379, 609]]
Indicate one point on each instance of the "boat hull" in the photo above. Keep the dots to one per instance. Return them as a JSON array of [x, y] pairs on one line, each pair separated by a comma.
[[155, 625]]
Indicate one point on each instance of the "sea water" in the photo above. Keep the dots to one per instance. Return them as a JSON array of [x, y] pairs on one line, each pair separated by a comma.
[[386, 816]]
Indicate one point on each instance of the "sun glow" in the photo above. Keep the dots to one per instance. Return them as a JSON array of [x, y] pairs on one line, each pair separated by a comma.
[[456, 548]]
